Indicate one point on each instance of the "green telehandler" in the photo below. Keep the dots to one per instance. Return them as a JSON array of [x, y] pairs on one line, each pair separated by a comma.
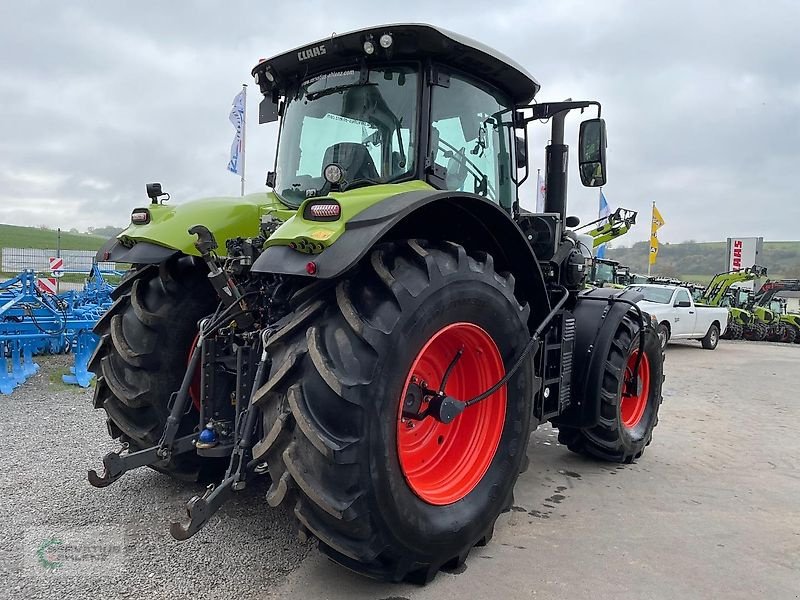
[[718, 292], [378, 333], [767, 297]]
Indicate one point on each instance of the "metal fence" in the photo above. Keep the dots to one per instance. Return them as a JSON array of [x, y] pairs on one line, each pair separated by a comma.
[[76, 263], [14, 260]]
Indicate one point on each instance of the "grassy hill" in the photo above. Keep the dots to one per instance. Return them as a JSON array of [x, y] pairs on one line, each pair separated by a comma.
[[699, 261], [13, 236]]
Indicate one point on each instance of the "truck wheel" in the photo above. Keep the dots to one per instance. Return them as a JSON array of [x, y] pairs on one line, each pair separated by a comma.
[[145, 338], [663, 334], [628, 409], [711, 339], [387, 496], [790, 335]]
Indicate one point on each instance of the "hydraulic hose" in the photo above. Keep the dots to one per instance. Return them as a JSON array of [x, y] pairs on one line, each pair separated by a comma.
[[527, 350]]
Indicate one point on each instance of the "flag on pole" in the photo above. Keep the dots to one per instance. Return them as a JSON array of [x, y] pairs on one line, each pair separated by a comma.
[[237, 119], [540, 192], [604, 211], [657, 223]]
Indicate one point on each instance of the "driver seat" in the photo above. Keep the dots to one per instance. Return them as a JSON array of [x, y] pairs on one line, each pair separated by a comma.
[[354, 158]]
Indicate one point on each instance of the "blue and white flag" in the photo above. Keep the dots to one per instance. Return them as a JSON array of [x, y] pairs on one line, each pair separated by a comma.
[[603, 212], [237, 118]]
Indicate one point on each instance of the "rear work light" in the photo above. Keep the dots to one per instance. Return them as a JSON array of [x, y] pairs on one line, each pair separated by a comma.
[[140, 216], [325, 210]]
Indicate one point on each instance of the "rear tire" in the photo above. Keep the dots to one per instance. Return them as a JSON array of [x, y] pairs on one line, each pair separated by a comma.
[[140, 361], [791, 334], [711, 338], [624, 429], [332, 436]]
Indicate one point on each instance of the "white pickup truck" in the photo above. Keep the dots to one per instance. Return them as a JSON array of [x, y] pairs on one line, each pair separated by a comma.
[[679, 318]]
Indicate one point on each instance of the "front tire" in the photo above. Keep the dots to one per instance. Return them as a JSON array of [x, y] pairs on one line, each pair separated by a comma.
[[663, 334], [790, 334], [755, 332], [733, 331], [334, 438], [628, 409]]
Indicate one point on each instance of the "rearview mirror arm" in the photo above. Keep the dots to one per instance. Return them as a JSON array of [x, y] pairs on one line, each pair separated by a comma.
[[546, 110]]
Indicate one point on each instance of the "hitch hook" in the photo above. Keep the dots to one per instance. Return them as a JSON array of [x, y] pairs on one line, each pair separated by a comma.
[[200, 509], [113, 468]]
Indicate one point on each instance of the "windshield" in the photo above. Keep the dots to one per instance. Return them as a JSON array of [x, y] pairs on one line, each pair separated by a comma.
[[366, 125], [654, 294]]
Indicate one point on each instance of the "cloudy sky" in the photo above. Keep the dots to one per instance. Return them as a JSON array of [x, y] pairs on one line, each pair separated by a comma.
[[702, 100]]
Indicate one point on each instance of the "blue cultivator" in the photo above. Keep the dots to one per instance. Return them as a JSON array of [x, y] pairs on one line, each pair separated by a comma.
[[33, 322]]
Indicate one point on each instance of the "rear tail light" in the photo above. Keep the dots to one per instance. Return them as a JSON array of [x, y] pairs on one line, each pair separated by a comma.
[[140, 216], [327, 210]]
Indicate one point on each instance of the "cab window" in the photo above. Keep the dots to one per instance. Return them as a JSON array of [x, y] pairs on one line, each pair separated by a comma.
[[470, 139], [681, 296]]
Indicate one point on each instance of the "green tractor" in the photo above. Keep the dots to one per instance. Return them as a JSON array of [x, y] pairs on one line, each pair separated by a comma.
[[740, 319], [609, 273], [766, 323], [768, 298], [719, 292], [379, 333]]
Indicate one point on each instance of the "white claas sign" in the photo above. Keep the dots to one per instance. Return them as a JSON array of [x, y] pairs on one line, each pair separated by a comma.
[[743, 253]]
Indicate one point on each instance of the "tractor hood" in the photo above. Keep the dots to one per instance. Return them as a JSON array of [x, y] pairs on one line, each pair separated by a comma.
[[166, 226]]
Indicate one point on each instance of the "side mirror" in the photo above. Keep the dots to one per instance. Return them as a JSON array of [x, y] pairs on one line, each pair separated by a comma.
[[683, 304], [521, 153], [592, 152], [268, 110]]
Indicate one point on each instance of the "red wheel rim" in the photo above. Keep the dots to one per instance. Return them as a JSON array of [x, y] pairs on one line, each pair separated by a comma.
[[634, 397], [443, 463]]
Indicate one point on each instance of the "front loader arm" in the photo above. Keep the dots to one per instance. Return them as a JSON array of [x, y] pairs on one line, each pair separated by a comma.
[[721, 282], [611, 227]]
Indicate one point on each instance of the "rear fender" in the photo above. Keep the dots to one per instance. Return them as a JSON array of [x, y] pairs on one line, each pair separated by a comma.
[[466, 219]]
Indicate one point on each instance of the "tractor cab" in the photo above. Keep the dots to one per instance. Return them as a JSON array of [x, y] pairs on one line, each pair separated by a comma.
[[604, 272], [406, 102]]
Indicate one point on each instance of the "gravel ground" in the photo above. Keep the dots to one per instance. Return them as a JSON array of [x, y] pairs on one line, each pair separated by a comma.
[[45, 495], [710, 511]]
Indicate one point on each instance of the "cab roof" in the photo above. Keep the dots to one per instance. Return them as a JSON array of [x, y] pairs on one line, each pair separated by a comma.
[[409, 41]]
